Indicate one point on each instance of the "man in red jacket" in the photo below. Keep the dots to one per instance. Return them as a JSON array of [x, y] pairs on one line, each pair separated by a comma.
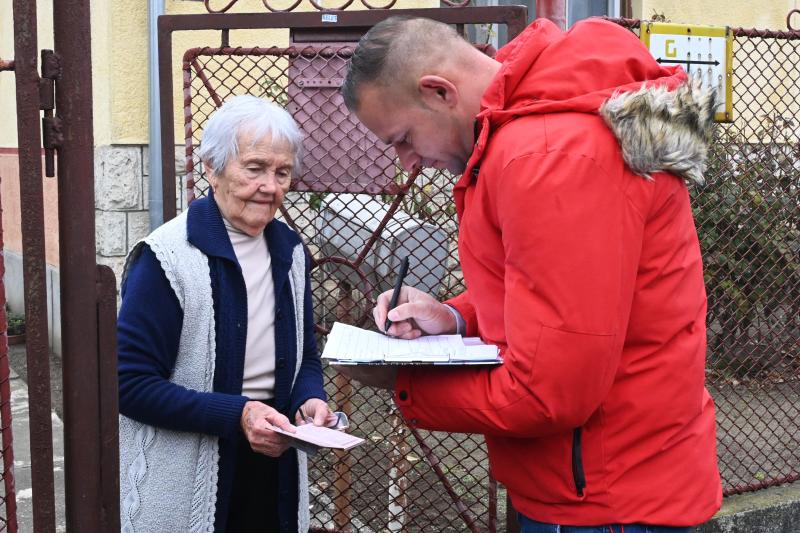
[[581, 262]]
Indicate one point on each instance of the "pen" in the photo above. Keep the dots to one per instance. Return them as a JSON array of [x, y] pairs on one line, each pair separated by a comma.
[[396, 292]]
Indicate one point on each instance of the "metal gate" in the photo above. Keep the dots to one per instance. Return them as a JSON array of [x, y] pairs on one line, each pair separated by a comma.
[[747, 220], [54, 112], [406, 480]]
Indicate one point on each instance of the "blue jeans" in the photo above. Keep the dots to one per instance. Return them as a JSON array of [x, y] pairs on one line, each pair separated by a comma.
[[532, 526]]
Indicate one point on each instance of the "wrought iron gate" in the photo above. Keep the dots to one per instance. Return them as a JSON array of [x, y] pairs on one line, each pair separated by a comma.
[[406, 479], [88, 292], [747, 219]]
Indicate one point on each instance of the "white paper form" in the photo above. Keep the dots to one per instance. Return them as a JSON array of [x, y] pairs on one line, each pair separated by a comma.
[[432, 348], [476, 350], [355, 345]]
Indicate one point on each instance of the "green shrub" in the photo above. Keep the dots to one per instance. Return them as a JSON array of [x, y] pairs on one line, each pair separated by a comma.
[[747, 220], [16, 324]]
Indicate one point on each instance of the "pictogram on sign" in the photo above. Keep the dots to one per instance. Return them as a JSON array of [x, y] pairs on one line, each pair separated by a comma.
[[704, 52]]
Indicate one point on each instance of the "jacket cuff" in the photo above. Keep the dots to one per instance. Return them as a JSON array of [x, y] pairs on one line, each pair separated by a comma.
[[461, 325], [224, 414], [462, 305]]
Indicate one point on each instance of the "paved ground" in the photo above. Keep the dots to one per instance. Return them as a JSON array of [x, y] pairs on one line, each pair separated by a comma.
[[758, 431], [749, 409], [19, 363], [22, 457]]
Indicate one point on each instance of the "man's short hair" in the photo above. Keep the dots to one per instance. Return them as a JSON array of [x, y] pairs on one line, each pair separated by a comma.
[[393, 52]]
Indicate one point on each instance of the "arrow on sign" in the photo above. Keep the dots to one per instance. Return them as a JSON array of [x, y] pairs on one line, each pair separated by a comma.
[[688, 61]]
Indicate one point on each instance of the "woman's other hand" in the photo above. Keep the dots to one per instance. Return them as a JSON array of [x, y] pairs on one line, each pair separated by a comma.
[[316, 410], [257, 422]]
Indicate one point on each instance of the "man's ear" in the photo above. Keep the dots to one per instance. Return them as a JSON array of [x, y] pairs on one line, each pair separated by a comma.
[[435, 92]]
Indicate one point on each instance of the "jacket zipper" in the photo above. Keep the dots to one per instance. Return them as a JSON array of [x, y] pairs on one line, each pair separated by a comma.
[[577, 463]]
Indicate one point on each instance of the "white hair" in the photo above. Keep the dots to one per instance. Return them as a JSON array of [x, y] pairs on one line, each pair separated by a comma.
[[255, 116]]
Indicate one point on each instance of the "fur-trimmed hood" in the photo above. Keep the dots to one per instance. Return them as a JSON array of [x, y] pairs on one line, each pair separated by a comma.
[[662, 121], [663, 130]]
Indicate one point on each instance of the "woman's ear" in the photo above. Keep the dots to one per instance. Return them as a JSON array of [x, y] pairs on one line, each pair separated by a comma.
[[211, 175], [436, 92]]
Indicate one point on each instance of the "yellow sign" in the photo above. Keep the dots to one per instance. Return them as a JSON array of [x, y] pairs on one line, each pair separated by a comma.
[[704, 52]]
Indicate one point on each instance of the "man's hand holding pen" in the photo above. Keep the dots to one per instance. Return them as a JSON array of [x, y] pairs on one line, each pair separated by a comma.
[[416, 314], [406, 313]]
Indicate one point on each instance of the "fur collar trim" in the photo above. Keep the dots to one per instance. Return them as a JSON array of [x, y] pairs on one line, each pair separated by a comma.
[[663, 130]]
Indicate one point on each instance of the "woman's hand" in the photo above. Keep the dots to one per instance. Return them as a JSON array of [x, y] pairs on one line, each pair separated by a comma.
[[257, 422], [318, 411]]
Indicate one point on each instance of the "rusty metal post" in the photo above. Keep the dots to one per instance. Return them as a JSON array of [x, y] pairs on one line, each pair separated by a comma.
[[109, 397], [492, 505], [84, 457], [6, 431], [168, 172], [345, 311], [512, 522], [555, 10], [33, 259]]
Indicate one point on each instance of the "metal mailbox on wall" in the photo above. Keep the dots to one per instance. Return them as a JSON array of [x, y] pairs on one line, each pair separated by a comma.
[[341, 155], [345, 225]]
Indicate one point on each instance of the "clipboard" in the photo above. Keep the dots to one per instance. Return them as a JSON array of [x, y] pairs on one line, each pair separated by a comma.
[[350, 345]]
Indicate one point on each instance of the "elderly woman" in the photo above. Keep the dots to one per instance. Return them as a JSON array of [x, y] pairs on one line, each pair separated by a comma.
[[216, 345]]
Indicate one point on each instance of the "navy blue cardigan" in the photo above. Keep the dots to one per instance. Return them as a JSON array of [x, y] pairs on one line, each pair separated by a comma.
[[148, 333]]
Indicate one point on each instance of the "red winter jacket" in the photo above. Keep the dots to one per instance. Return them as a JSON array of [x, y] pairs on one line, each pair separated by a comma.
[[589, 278]]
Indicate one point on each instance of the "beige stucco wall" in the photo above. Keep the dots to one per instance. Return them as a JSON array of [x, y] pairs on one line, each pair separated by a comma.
[[8, 103], [120, 61], [769, 14], [10, 197], [119, 51]]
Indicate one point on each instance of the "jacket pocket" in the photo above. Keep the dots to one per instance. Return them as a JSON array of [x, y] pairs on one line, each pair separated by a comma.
[[578, 475]]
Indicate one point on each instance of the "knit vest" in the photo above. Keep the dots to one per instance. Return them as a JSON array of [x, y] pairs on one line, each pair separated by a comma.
[[168, 479]]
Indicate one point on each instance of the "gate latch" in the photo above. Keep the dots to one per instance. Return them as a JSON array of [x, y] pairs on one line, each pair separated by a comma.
[[52, 136], [320, 82]]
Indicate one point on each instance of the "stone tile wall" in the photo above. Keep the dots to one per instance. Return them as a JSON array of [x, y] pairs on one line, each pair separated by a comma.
[[122, 214]]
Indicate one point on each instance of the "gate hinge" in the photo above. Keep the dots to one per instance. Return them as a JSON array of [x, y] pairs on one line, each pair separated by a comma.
[[52, 136], [51, 65]]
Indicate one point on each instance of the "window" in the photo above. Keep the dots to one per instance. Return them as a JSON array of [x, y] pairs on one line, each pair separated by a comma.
[[575, 10], [496, 34], [582, 9]]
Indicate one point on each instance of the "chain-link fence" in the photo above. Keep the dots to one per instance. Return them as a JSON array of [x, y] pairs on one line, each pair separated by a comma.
[[748, 220], [358, 213], [749, 223]]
